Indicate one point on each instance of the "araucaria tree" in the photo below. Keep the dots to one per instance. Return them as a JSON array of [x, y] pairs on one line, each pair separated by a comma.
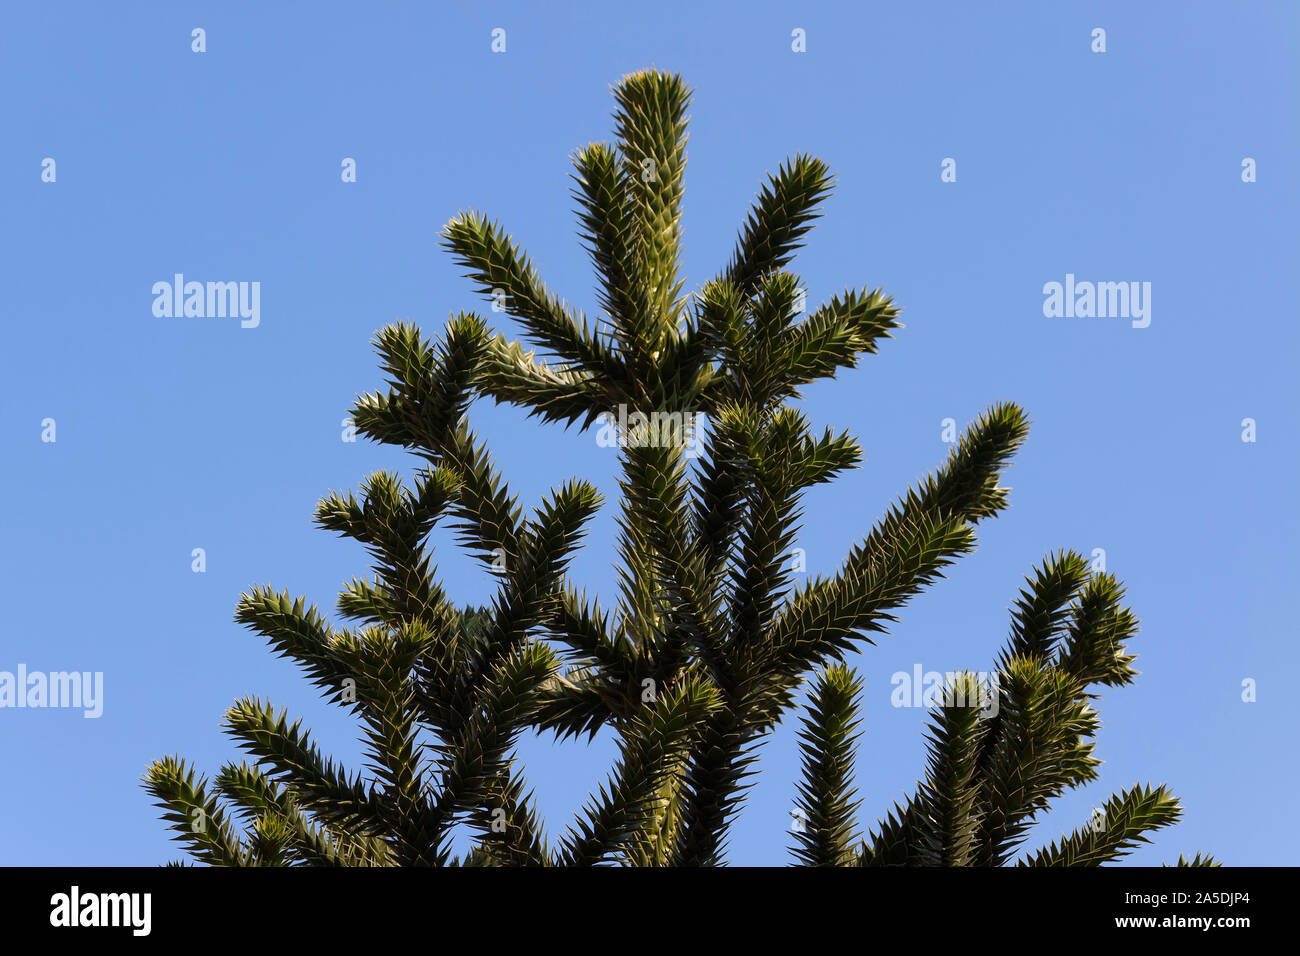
[[710, 642]]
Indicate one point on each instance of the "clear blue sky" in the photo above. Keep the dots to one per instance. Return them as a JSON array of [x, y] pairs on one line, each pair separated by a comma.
[[175, 434]]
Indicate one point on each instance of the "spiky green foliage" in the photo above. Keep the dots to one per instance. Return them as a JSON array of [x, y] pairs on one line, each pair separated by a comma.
[[1002, 749], [705, 646], [824, 826]]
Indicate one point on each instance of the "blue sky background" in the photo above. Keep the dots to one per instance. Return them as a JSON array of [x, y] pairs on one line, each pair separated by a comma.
[[174, 434]]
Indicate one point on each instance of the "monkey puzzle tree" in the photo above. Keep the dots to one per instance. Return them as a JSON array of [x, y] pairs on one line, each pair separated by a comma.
[[999, 749], [709, 643]]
